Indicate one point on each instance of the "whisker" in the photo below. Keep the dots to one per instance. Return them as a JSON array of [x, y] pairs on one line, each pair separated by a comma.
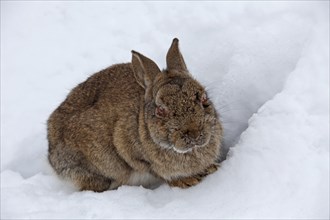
[[234, 122], [229, 110]]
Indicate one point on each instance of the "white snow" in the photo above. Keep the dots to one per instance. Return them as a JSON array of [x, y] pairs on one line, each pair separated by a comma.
[[265, 65]]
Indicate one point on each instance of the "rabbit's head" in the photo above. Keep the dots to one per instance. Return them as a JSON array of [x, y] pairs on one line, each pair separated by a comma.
[[178, 113]]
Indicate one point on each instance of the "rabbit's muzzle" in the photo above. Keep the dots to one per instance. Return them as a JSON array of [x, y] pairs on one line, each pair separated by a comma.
[[186, 141], [193, 138]]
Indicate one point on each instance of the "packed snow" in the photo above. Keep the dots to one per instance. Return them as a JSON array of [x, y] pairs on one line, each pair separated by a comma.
[[264, 64]]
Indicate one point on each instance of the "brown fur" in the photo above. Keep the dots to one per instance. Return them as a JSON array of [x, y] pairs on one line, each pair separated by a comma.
[[133, 119]]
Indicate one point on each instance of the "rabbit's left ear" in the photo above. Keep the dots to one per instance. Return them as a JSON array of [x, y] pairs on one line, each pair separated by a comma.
[[145, 70], [174, 59]]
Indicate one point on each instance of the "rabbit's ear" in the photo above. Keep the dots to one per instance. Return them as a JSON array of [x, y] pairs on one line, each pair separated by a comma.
[[144, 69], [174, 59]]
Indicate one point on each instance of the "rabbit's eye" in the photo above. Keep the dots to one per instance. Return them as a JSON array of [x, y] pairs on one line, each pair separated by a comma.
[[202, 99], [160, 112], [205, 101]]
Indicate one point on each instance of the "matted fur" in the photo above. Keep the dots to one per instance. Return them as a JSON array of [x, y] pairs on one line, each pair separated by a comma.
[[134, 124]]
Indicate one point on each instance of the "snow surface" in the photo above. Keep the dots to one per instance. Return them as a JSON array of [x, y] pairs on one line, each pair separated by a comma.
[[265, 65]]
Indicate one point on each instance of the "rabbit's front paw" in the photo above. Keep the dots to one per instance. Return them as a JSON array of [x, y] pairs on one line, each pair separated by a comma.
[[193, 180], [211, 169], [186, 182]]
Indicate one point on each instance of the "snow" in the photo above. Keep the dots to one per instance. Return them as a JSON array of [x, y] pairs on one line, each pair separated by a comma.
[[265, 65]]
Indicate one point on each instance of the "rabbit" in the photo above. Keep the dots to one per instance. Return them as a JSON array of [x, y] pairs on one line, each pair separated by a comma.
[[133, 124]]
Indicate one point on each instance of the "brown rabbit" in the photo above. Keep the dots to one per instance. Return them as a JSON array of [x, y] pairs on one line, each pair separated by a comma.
[[133, 124]]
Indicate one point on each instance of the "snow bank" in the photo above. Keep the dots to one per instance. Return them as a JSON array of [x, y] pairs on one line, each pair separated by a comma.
[[265, 65]]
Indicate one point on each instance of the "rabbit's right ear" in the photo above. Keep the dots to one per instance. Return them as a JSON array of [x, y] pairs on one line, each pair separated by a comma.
[[145, 70]]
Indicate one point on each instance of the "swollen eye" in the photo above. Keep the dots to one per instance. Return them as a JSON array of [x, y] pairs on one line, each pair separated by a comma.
[[204, 100], [160, 112]]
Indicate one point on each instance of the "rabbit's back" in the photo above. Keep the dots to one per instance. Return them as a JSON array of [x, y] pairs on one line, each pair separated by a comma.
[[105, 94]]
